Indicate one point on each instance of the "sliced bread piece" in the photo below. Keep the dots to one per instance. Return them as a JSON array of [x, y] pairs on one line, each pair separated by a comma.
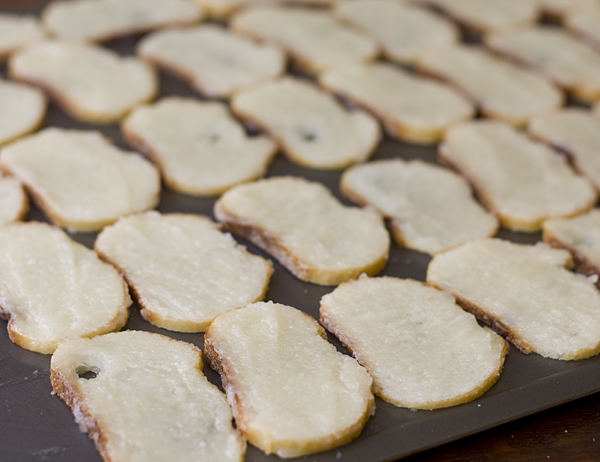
[[198, 146], [54, 288], [80, 179], [14, 204], [584, 20], [411, 108], [22, 110], [221, 9], [526, 293], [313, 128], [306, 228], [92, 84], [17, 31], [522, 181], [291, 392], [215, 61], [142, 397], [430, 207]]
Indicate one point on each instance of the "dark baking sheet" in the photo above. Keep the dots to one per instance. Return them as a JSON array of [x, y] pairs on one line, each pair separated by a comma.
[[35, 425]]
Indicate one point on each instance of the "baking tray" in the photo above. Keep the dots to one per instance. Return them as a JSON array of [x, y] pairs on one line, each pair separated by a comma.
[[36, 425]]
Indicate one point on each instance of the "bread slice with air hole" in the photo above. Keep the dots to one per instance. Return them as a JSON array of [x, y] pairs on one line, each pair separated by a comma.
[[306, 228], [183, 270], [198, 146], [17, 31], [22, 110], [525, 292], [142, 397], [314, 129], [54, 288], [292, 393], [522, 181]]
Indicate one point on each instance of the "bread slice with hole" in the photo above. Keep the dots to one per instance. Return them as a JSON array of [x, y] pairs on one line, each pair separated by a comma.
[[142, 397], [22, 110], [292, 393], [313, 128], [302, 225], [17, 31], [54, 288]]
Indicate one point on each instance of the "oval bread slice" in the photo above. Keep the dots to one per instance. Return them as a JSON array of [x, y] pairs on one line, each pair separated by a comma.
[[147, 400], [526, 293], [306, 229], [22, 110], [182, 269], [422, 350], [314, 129], [17, 31], [53, 288], [291, 392]]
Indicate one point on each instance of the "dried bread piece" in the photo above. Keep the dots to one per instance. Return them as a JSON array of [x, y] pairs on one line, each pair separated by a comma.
[[198, 146], [501, 89], [431, 208], [182, 269], [422, 350], [313, 128], [54, 288], [22, 110], [411, 108], [526, 292], [584, 20], [306, 229], [575, 131], [315, 39], [215, 61], [569, 63], [291, 392], [92, 84], [147, 400], [80, 179], [403, 30], [220, 9], [101, 20], [14, 204], [17, 31], [522, 181]]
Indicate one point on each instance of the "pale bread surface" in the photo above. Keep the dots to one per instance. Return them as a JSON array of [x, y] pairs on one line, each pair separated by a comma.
[[522, 181], [306, 228], [80, 179], [220, 9], [561, 8], [430, 207], [149, 400], [17, 31], [411, 108], [500, 88], [92, 84], [315, 39], [22, 110], [215, 61], [313, 128], [291, 392], [53, 288], [526, 292], [182, 269], [585, 21], [422, 350], [101, 20], [198, 146], [14, 204]]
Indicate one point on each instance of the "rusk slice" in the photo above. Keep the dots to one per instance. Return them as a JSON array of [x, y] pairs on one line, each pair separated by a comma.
[[501, 89], [569, 63], [14, 204], [52, 288], [522, 181], [306, 229], [22, 110], [198, 146], [17, 31], [182, 269], [291, 392], [584, 20], [313, 128], [431, 208], [411, 108], [422, 350], [315, 39], [215, 61], [79, 179], [100, 20], [403, 30], [526, 293], [147, 400], [93, 84], [575, 131]]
